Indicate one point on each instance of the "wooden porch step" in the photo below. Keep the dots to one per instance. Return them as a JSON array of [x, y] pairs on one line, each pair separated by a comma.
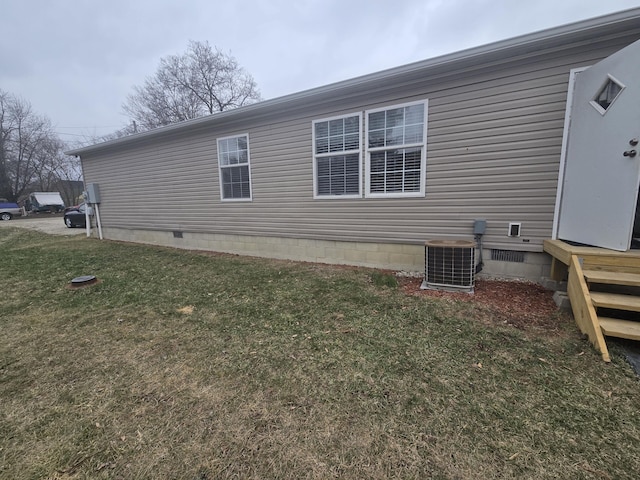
[[612, 278], [614, 327], [616, 301]]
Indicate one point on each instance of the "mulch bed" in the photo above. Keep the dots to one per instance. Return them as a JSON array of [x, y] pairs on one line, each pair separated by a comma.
[[524, 305]]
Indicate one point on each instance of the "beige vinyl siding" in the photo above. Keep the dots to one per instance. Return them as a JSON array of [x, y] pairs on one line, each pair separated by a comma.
[[494, 137]]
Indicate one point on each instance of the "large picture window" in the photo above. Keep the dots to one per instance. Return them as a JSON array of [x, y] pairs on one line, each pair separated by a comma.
[[233, 164], [396, 151], [336, 157]]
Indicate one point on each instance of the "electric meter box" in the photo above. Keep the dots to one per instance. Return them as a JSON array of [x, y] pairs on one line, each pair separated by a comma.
[[479, 227], [93, 193]]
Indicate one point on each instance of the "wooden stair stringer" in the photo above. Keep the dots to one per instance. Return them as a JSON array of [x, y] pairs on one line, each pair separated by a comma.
[[583, 310]]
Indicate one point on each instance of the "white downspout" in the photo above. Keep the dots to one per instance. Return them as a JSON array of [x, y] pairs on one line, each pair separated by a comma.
[[98, 221], [87, 218]]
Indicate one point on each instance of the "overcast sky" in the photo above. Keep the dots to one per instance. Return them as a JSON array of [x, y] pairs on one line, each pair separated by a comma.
[[76, 60]]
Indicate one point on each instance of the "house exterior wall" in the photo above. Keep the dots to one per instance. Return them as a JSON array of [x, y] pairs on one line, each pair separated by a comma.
[[494, 135]]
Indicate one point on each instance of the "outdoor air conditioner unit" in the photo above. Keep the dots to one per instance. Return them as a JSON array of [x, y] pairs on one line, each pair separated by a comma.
[[449, 265]]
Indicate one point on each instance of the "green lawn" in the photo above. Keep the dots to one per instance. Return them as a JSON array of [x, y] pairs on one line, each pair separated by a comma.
[[194, 366]]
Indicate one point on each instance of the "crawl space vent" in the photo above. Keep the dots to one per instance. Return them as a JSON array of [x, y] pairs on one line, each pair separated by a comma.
[[449, 265], [507, 255]]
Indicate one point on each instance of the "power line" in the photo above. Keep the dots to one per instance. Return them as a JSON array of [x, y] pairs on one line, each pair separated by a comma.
[[72, 134], [95, 126]]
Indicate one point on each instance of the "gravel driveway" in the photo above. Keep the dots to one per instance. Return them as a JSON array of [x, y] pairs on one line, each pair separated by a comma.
[[50, 225]]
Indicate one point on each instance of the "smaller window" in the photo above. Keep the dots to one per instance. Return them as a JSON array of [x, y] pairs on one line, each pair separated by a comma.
[[336, 157], [233, 166], [607, 94]]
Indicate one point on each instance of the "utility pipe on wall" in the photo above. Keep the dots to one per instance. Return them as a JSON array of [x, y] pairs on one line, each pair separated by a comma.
[[98, 221], [87, 217]]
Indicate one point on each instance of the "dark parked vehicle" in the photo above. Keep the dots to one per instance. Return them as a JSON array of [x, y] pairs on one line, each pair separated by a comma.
[[75, 216]]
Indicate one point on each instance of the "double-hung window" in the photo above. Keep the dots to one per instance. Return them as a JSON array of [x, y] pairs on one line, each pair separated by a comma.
[[396, 151], [233, 165], [336, 157]]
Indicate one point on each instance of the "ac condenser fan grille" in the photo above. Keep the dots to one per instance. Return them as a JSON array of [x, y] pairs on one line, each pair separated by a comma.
[[449, 265]]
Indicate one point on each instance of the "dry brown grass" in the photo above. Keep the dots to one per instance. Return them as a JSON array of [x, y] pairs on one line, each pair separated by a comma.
[[184, 365]]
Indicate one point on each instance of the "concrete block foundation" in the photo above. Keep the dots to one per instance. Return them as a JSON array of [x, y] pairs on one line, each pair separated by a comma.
[[391, 256]]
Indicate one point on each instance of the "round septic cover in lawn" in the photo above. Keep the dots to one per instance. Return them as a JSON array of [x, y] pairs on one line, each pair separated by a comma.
[[84, 280]]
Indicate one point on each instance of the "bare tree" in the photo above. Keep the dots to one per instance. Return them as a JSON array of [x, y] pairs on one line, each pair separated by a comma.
[[69, 174], [123, 132], [201, 81], [30, 152], [23, 134], [5, 132]]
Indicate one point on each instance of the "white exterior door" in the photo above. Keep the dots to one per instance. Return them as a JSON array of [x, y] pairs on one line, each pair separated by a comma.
[[602, 166]]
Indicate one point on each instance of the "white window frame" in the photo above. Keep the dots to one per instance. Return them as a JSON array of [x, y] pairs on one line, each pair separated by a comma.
[[316, 195], [422, 145], [221, 167]]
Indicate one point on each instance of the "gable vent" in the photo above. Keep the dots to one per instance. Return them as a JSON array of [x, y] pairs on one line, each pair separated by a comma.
[[449, 265]]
